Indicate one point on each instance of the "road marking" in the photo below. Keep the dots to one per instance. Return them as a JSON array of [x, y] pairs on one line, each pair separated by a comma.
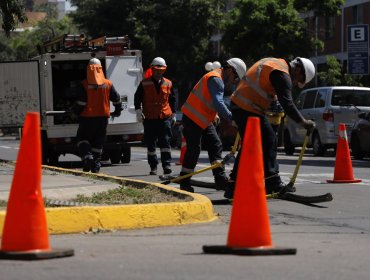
[[5, 147]]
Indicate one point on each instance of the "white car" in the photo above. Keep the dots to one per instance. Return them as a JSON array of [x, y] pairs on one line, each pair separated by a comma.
[[327, 107]]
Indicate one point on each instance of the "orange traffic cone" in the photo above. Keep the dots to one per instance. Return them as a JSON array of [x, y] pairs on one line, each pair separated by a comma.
[[343, 172], [249, 230], [25, 233], [183, 150]]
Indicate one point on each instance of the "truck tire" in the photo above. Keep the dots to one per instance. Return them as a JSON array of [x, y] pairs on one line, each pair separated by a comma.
[[115, 156], [126, 154]]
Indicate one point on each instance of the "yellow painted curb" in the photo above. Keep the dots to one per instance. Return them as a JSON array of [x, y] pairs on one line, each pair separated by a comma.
[[80, 219]]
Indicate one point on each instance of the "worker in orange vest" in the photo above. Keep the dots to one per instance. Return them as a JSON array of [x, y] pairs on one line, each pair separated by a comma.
[[202, 107], [93, 107], [265, 79], [155, 105]]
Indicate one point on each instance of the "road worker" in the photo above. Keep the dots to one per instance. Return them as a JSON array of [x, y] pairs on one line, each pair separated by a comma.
[[202, 107], [155, 105], [93, 107], [265, 79]]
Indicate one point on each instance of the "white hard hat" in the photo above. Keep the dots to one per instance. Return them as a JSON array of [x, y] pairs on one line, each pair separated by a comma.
[[309, 68], [159, 63], [216, 64], [208, 66], [94, 61], [238, 65]]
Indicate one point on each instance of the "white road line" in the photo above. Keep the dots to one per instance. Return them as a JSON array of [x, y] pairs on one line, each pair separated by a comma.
[[5, 147]]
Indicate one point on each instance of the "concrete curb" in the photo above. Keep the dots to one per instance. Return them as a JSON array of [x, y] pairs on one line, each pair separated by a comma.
[[81, 219]]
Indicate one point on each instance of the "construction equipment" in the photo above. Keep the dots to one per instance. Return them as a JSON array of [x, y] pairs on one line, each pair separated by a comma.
[[49, 83], [170, 179]]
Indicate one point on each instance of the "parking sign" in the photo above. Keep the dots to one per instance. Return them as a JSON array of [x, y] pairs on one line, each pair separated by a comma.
[[358, 49]]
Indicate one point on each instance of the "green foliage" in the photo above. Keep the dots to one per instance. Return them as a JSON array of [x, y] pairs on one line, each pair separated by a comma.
[[332, 76], [261, 28], [23, 46], [321, 8], [176, 30], [12, 12]]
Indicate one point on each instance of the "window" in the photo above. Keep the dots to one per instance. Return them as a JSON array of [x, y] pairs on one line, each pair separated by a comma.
[[320, 99], [329, 27], [351, 97], [358, 14], [309, 101]]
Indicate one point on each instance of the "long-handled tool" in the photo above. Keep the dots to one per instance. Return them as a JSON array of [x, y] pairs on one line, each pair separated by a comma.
[[299, 162], [224, 161], [286, 195]]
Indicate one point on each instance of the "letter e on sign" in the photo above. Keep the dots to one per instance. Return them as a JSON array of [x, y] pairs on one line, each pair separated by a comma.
[[358, 34]]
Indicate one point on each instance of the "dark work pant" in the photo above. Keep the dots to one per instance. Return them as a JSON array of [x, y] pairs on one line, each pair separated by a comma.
[[269, 149], [194, 136], [158, 130], [91, 135]]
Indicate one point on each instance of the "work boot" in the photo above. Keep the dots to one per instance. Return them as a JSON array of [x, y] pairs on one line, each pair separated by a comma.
[[153, 171], [185, 183], [279, 187], [221, 182], [167, 170], [229, 191], [87, 164]]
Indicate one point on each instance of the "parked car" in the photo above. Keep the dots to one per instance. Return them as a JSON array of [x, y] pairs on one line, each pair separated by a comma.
[[360, 137], [327, 106]]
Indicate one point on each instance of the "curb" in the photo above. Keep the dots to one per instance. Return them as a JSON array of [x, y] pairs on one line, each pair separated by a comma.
[[86, 218]]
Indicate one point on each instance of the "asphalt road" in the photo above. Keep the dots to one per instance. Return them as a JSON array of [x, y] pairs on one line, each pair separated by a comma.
[[332, 239]]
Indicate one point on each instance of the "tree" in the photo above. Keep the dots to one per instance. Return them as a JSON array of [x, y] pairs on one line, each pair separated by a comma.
[[177, 30], [320, 8], [12, 13], [334, 75], [260, 28], [23, 46]]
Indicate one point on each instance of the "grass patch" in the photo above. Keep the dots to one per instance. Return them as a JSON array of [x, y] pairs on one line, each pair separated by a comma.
[[130, 195], [3, 204]]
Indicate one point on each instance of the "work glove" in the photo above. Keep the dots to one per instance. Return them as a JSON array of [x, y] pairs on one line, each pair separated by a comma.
[[233, 123], [308, 124], [216, 121], [173, 119], [117, 111], [139, 115]]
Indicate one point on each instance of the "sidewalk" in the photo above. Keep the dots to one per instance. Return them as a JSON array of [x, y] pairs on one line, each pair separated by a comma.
[[63, 184]]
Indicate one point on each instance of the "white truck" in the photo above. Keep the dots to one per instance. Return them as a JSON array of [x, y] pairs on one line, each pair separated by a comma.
[[43, 84]]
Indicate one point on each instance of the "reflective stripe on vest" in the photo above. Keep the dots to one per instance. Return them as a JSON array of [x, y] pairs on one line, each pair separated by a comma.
[[155, 104], [254, 94], [199, 107], [97, 99]]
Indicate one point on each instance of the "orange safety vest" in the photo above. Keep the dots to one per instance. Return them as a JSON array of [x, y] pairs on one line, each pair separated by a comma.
[[255, 92], [155, 104], [97, 99], [199, 106]]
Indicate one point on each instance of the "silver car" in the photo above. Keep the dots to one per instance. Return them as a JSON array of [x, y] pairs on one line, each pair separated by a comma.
[[328, 107]]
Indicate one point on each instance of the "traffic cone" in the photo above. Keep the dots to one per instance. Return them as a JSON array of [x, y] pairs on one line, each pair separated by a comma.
[[25, 233], [249, 230], [183, 150], [343, 172]]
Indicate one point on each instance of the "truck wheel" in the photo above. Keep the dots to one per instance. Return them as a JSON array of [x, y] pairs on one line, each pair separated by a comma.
[[115, 156], [53, 158], [126, 154]]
